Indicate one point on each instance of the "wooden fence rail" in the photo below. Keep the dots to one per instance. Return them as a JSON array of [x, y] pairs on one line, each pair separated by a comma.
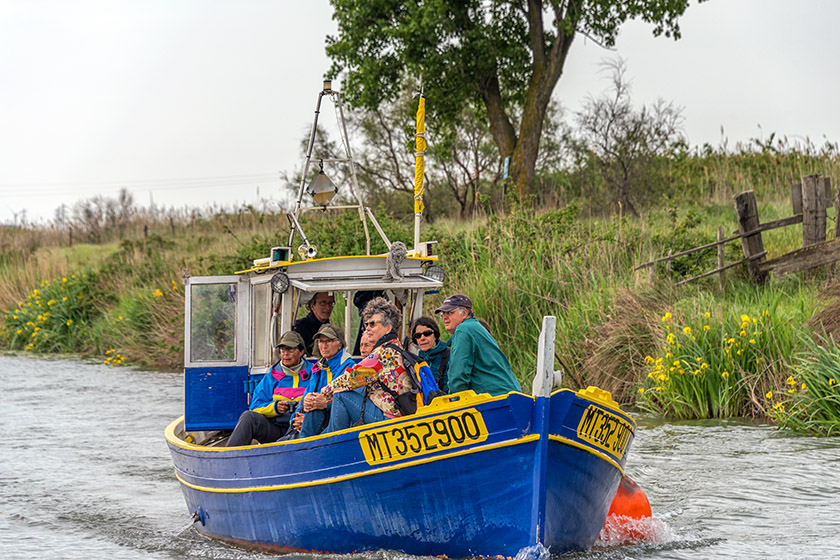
[[809, 200]]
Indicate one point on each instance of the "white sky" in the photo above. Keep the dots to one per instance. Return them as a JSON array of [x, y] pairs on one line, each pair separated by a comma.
[[193, 102]]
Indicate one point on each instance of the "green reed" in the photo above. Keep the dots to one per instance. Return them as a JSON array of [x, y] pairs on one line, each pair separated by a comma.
[[809, 400]]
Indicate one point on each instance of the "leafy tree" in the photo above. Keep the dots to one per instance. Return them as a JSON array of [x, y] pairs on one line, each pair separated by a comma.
[[502, 57]]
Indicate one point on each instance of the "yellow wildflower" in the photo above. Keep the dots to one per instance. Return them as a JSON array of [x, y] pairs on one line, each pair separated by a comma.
[[641, 390], [804, 386], [831, 382], [725, 374], [752, 341], [769, 394], [666, 317], [69, 322], [648, 360], [174, 286], [707, 314], [706, 327], [790, 380], [780, 406], [745, 318], [157, 293], [687, 330]]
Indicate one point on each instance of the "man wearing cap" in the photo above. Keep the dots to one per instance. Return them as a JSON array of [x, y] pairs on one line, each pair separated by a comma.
[[333, 362], [320, 308], [475, 362], [275, 396]]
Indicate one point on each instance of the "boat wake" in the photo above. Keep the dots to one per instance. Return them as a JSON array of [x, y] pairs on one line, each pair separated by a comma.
[[620, 530]]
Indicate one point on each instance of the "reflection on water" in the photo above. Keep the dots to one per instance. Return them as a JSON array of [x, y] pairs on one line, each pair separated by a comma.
[[86, 474]]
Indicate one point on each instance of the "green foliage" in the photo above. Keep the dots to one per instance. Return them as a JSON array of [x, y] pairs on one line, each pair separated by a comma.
[[809, 400], [710, 364], [55, 317]]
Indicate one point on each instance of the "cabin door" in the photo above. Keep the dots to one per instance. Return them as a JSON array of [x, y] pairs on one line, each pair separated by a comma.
[[216, 351]]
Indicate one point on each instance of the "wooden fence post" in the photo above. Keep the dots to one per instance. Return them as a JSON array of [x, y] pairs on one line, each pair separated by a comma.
[[747, 212], [720, 250], [796, 197], [837, 213], [813, 209]]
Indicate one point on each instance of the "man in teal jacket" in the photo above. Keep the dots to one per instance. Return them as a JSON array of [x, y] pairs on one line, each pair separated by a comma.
[[476, 362]]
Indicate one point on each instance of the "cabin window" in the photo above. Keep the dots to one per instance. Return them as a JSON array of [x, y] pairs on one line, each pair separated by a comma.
[[213, 322], [262, 317]]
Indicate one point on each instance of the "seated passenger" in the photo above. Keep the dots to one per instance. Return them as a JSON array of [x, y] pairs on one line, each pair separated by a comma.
[[333, 362], [380, 373], [426, 335], [320, 308], [366, 344], [275, 396], [475, 362]]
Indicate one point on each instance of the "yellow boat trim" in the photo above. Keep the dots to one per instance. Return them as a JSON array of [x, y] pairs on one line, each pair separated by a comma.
[[468, 399], [592, 394], [526, 439], [600, 455], [284, 264]]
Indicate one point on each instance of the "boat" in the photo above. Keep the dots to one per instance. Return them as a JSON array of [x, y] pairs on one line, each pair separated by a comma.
[[468, 475]]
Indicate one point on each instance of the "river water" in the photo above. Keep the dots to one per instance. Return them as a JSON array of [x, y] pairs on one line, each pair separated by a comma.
[[85, 473]]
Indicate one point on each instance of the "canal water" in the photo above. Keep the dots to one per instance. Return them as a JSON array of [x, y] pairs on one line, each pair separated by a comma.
[[85, 473]]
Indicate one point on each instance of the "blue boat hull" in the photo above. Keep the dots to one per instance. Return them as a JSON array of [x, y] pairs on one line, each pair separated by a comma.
[[472, 476]]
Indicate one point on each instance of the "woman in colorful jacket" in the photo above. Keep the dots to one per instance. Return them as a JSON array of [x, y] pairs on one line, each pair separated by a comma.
[[275, 396], [381, 374], [333, 362]]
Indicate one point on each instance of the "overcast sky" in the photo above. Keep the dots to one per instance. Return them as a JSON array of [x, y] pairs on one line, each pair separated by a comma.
[[193, 102]]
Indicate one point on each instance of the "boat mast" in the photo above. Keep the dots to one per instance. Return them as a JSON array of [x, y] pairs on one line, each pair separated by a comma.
[[307, 250]]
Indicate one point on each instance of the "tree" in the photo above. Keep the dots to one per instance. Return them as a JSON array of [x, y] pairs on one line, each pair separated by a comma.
[[502, 57], [624, 143]]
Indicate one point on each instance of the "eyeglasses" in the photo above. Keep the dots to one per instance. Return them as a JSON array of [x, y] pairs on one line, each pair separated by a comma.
[[371, 324], [325, 303], [325, 340], [288, 349], [419, 335], [450, 312]]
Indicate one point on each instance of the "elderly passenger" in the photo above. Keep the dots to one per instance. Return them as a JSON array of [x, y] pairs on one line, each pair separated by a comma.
[[274, 397], [333, 362], [426, 335], [320, 308], [476, 362], [381, 374]]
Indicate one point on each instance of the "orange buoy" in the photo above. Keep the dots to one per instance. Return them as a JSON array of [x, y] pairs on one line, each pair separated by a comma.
[[629, 519], [630, 500]]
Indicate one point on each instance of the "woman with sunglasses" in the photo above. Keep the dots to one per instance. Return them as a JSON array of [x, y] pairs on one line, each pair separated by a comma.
[[426, 335], [381, 374]]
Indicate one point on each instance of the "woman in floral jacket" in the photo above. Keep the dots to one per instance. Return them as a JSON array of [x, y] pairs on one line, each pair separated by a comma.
[[381, 374]]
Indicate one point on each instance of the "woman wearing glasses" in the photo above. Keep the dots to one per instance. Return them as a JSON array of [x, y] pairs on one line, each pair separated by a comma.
[[426, 335], [381, 373]]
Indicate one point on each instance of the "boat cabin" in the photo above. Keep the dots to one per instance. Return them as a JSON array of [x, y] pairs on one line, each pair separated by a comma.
[[233, 323]]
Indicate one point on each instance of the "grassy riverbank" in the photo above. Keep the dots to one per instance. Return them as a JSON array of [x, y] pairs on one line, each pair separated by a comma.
[[686, 352]]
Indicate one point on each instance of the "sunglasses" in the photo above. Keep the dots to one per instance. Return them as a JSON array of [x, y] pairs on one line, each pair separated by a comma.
[[418, 335], [371, 324]]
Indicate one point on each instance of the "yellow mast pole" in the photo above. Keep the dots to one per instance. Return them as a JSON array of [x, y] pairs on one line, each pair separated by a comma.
[[419, 168]]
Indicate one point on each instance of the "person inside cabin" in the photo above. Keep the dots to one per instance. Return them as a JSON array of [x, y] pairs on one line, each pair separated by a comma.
[[381, 374], [333, 362], [320, 308], [426, 335], [274, 398], [475, 361]]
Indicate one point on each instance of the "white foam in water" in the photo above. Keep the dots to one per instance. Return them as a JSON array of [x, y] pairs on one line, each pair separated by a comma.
[[621, 530], [534, 552]]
